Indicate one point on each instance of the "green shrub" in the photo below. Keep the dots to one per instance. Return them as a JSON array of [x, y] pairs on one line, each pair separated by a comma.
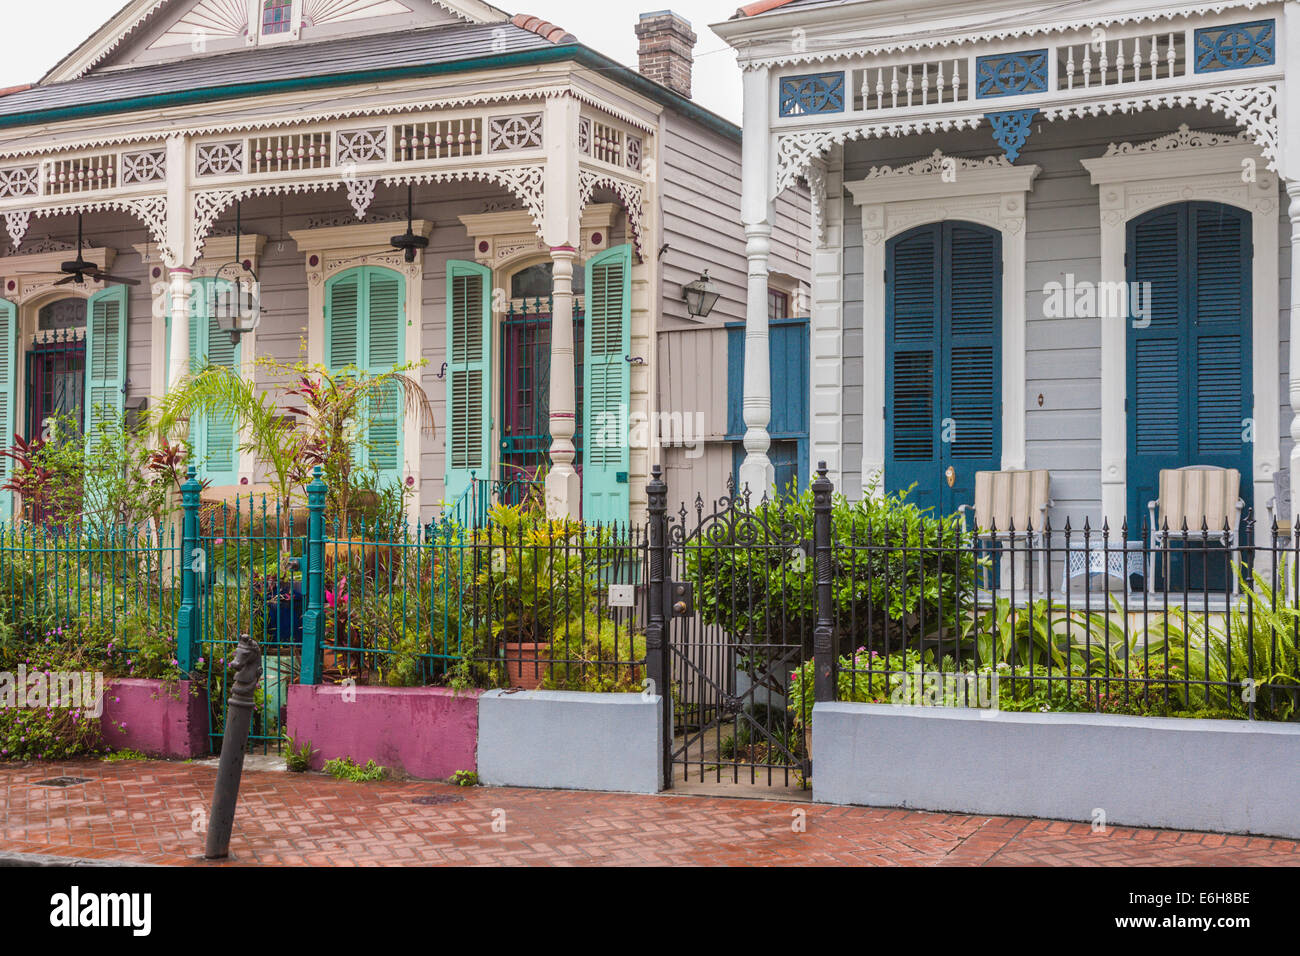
[[345, 768], [754, 575]]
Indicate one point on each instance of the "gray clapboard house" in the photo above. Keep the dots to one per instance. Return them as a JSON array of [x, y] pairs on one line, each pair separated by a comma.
[[566, 200]]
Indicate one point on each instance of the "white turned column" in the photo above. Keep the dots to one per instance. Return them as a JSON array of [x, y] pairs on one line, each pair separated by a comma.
[[178, 358], [1293, 369], [756, 212], [563, 488], [757, 475], [562, 234]]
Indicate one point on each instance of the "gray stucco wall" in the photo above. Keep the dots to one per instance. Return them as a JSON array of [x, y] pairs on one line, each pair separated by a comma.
[[1231, 776], [571, 740]]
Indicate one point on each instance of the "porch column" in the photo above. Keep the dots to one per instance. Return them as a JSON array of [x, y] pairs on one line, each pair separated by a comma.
[[756, 472], [563, 487], [178, 358], [1293, 370], [756, 211]]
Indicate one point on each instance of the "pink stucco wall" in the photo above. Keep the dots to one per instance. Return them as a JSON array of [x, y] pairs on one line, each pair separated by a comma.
[[427, 732], [159, 718]]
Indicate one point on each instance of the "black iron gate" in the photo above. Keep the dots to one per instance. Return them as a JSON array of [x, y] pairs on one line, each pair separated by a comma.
[[739, 617]]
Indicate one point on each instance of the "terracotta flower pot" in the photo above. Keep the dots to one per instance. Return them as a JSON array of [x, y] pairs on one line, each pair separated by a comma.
[[526, 664]]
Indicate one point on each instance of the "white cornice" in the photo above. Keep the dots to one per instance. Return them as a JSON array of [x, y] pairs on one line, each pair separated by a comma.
[[375, 235], [925, 180], [359, 111], [847, 35]]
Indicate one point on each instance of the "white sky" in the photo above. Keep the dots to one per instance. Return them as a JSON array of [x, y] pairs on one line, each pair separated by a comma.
[[38, 35]]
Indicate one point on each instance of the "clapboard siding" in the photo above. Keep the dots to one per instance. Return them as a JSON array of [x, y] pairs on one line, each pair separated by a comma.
[[702, 227], [1063, 355]]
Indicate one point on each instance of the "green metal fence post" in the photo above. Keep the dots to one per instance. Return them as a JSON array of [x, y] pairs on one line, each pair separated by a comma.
[[313, 620], [192, 564]]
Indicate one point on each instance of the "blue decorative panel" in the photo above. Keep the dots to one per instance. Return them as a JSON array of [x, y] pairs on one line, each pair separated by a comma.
[[1010, 74], [1236, 46], [814, 93], [1011, 129]]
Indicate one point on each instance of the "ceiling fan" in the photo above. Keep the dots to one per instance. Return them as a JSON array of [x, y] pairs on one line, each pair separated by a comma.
[[409, 242], [78, 269]]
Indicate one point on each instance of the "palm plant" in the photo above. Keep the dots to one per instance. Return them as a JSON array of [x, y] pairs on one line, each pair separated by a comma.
[[266, 432], [338, 406]]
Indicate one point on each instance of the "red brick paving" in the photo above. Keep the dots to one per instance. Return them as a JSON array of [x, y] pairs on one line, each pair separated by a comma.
[[143, 812]]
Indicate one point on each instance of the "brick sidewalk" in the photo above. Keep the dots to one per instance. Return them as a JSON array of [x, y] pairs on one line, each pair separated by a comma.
[[143, 812]]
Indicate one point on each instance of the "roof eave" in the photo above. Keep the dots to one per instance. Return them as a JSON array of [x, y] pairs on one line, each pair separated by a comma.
[[578, 53]]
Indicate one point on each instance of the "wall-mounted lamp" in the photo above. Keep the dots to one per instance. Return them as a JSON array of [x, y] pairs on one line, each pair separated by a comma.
[[701, 296]]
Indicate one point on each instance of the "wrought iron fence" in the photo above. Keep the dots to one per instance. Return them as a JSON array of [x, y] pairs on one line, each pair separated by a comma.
[[520, 600], [1197, 623], [122, 580]]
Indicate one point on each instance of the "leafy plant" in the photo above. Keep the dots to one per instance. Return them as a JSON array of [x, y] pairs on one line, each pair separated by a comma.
[[345, 768], [464, 778], [297, 759]]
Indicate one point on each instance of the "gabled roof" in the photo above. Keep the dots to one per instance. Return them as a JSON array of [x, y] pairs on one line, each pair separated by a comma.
[[268, 66], [137, 13], [373, 58]]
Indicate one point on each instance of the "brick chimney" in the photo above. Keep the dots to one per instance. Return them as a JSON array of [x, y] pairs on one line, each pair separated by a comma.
[[665, 52]]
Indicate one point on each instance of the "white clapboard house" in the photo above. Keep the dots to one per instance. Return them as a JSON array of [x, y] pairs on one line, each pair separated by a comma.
[[1047, 237]]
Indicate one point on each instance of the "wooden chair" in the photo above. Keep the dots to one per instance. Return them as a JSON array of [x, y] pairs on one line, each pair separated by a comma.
[[1195, 497], [1014, 503]]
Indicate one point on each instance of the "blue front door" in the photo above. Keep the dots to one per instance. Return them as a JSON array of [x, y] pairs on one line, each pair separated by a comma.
[[1189, 371], [943, 363]]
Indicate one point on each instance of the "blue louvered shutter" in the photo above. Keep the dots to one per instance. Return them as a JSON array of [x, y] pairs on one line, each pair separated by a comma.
[[1189, 368], [469, 349], [913, 313], [1221, 295], [214, 437], [384, 348], [971, 416], [607, 386], [8, 359]]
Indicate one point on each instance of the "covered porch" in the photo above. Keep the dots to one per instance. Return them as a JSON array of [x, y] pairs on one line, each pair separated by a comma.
[[519, 216], [1064, 251]]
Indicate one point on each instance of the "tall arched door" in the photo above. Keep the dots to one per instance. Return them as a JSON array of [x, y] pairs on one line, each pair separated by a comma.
[[1190, 387], [943, 368]]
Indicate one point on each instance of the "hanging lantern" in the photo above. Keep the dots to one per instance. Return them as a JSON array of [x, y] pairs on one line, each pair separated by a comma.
[[701, 296], [235, 299]]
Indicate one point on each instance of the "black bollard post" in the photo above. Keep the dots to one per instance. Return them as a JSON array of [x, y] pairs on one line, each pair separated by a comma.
[[247, 666]]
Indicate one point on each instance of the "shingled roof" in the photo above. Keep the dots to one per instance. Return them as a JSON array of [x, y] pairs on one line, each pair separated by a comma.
[[288, 61]]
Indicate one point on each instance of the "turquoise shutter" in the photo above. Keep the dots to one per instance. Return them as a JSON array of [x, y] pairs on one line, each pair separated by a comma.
[[364, 328], [343, 321], [607, 386], [913, 311], [8, 357], [105, 359], [384, 298], [215, 438], [469, 349]]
